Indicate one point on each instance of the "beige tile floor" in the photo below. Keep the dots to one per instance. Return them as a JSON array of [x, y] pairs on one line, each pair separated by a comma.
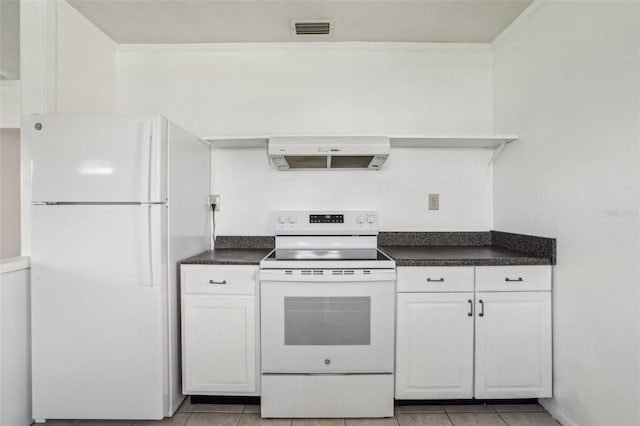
[[406, 415]]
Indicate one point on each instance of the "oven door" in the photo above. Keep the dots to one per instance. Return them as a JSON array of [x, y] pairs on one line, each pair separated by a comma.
[[327, 322]]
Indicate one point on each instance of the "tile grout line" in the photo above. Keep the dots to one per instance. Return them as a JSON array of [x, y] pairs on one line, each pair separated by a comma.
[[448, 416], [244, 407], [501, 418]]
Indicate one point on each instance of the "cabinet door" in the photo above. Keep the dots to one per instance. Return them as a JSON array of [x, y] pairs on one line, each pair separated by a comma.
[[434, 347], [513, 345], [219, 344]]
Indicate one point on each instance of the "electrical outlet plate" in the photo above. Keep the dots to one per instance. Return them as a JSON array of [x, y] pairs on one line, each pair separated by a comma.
[[215, 199], [434, 201]]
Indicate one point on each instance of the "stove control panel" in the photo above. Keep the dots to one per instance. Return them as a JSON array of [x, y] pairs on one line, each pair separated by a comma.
[[356, 222]]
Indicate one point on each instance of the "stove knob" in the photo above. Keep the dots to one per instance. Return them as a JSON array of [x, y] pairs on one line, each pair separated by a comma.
[[359, 219], [293, 218], [371, 218], [282, 218]]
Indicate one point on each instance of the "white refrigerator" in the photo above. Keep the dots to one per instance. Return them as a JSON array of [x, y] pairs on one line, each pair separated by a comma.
[[117, 201]]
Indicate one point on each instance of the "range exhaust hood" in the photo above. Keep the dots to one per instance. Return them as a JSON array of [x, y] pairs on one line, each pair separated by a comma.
[[328, 152]]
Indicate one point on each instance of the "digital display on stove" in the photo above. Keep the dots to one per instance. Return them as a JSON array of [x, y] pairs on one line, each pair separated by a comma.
[[326, 218]]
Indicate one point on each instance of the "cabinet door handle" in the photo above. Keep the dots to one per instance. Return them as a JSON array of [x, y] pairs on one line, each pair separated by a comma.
[[470, 314], [481, 314], [439, 280], [517, 280], [217, 282]]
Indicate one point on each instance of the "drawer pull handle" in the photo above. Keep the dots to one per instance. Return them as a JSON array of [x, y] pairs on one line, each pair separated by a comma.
[[217, 282], [439, 280], [481, 314], [470, 314], [517, 280]]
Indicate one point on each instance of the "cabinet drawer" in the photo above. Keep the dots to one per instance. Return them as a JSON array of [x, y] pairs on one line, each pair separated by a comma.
[[513, 278], [219, 279], [435, 279]]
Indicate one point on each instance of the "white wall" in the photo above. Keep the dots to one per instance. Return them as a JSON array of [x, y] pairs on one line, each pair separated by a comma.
[[10, 168], [67, 66], [352, 88], [9, 193], [219, 90], [85, 65], [250, 190], [9, 104], [9, 39], [566, 78]]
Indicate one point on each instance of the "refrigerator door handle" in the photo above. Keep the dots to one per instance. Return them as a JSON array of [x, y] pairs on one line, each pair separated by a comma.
[[149, 252]]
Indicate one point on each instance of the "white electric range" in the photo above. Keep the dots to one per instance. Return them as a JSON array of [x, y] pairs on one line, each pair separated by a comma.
[[327, 318]]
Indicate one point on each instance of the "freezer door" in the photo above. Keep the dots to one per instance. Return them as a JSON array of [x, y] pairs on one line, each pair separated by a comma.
[[99, 312], [98, 158]]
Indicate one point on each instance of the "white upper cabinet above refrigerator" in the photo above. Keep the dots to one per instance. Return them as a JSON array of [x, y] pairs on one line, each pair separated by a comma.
[[103, 159]]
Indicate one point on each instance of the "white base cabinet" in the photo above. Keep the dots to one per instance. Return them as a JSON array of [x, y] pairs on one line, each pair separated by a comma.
[[434, 346], [15, 339], [483, 335], [220, 339], [513, 345]]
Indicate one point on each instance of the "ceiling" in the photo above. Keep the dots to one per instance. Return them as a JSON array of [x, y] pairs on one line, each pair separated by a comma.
[[217, 21]]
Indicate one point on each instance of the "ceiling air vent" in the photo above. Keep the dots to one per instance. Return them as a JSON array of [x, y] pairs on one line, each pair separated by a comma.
[[312, 28]]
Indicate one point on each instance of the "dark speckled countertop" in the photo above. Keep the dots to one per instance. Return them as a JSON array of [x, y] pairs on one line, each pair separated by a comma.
[[408, 249], [228, 257], [467, 248], [460, 255], [234, 250]]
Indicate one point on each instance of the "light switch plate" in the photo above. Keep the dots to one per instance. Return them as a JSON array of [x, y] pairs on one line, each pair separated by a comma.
[[434, 201]]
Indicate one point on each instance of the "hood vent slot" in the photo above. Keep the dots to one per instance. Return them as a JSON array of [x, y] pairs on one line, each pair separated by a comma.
[[328, 152], [320, 28]]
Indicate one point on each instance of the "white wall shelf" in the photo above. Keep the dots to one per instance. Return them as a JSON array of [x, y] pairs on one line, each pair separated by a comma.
[[239, 142], [451, 141], [401, 141], [495, 142]]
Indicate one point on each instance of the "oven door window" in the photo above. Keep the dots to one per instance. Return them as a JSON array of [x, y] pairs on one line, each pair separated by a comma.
[[327, 321]]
